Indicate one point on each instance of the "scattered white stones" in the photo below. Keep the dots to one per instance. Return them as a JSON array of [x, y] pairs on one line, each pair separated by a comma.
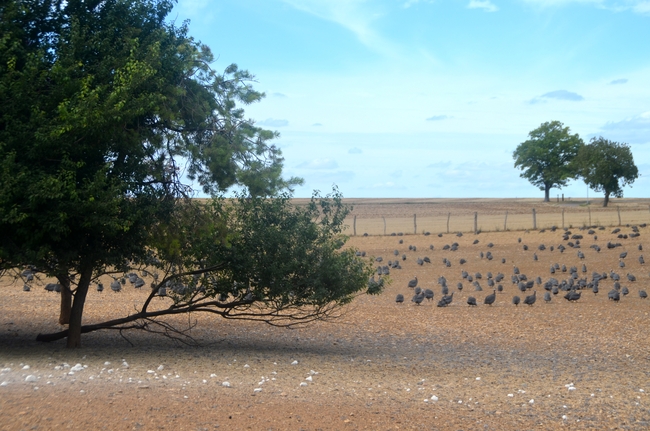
[[151, 372], [26, 367], [5, 370], [257, 390], [309, 379], [76, 368], [4, 383], [303, 384], [294, 363], [125, 364], [161, 367], [312, 372], [31, 378], [246, 366], [564, 417], [213, 375], [532, 401], [107, 363], [434, 398], [511, 395], [478, 378], [226, 384]]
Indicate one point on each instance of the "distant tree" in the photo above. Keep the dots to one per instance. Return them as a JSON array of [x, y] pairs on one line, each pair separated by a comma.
[[105, 109], [545, 157], [606, 166]]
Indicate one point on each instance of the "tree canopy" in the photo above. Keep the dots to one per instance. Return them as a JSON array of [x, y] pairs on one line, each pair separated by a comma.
[[606, 166], [106, 111], [546, 156]]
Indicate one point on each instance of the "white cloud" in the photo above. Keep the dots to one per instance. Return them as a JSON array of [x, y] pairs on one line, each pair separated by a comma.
[[317, 125], [558, 95], [618, 81], [272, 122], [357, 16], [486, 5], [638, 122], [355, 150], [279, 95], [319, 164], [439, 118]]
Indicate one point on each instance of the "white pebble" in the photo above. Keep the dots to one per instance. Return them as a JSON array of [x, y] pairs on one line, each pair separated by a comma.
[[564, 417], [125, 364], [31, 378], [205, 381], [107, 363], [511, 395], [26, 367], [5, 370], [4, 384], [434, 398], [213, 375], [151, 372], [303, 384], [226, 384], [426, 400], [312, 372], [309, 379], [82, 391], [478, 378], [572, 388], [247, 366], [531, 402], [77, 367], [257, 390], [294, 363], [161, 367]]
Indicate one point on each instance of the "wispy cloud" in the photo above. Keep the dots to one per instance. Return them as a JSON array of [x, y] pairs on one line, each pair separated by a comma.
[[439, 118], [317, 125], [279, 95], [273, 122], [558, 95], [319, 164], [632, 130], [486, 5], [357, 16], [618, 81], [355, 150]]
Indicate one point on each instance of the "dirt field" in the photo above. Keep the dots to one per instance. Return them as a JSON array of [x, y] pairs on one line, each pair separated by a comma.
[[557, 365]]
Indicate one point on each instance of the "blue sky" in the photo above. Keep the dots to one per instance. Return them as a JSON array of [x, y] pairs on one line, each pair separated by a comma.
[[417, 98]]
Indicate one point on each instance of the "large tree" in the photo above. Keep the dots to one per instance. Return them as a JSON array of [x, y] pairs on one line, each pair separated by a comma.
[[105, 109], [606, 166], [545, 157]]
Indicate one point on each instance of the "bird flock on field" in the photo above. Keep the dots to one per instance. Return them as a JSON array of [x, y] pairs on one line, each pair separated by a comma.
[[569, 271]]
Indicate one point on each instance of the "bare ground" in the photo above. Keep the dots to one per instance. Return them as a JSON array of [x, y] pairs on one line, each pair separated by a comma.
[[583, 365]]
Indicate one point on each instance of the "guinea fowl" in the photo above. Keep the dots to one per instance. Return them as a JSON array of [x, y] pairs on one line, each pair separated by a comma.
[[413, 283], [428, 294], [547, 297], [399, 298], [489, 300], [643, 294], [446, 300], [572, 295], [530, 299], [418, 298], [471, 301], [515, 300]]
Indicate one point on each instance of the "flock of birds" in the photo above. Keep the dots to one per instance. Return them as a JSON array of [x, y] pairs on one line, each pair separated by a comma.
[[569, 280]]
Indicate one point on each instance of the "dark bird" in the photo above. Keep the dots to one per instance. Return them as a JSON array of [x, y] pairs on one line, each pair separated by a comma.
[[428, 293], [595, 289], [116, 286], [459, 286], [100, 287], [572, 295], [623, 255], [631, 277], [399, 298], [417, 290], [525, 247], [643, 294], [414, 282], [515, 270], [625, 291], [515, 300], [471, 301], [26, 288], [621, 264], [426, 259], [418, 298], [547, 297], [530, 299], [641, 261], [489, 300], [613, 295]]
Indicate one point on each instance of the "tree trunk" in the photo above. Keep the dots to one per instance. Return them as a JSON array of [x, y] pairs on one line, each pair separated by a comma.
[[547, 193], [606, 201], [66, 299], [74, 328]]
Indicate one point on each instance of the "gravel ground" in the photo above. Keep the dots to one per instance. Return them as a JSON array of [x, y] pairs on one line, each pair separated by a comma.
[[582, 365]]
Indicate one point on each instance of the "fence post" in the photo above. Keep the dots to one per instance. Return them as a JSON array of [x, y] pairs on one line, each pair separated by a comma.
[[562, 218], [475, 222], [589, 209], [415, 225], [534, 220], [354, 225], [448, 217], [618, 209], [384, 218], [505, 222]]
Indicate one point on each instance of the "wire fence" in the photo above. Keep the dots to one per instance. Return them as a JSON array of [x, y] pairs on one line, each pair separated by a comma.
[[493, 222]]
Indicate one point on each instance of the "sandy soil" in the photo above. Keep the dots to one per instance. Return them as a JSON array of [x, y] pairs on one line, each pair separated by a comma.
[[561, 365]]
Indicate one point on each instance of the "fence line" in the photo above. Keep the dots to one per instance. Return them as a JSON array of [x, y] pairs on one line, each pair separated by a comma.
[[476, 222]]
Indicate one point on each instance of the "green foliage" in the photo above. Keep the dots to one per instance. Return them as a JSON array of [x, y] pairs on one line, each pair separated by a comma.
[[606, 166], [545, 157]]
